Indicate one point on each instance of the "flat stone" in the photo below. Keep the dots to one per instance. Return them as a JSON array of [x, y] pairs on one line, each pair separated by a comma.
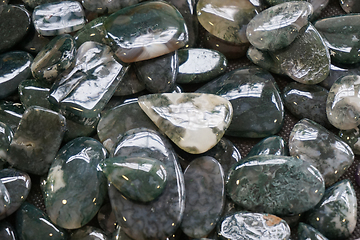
[[93, 31], [351, 137], [160, 218], [75, 188], [34, 93], [146, 31], [335, 73], [195, 122], [7, 231], [130, 83], [107, 7], [255, 97], [278, 26], [11, 113], [6, 136], [336, 214], [273, 145], [307, 232], [323, 149], [284, 185], [106, 219], [350, 6], [51, 19], [88, 233], [205, 196], [262, 226]]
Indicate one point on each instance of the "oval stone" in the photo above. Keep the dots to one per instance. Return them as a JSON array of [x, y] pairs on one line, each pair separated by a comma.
[[278, 185], [4, 199], [274, 145]]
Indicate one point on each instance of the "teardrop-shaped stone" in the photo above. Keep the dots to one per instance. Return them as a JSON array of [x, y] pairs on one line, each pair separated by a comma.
[[278, 26], [253, 93], [34, 93], [274, 145], [205, 196], [75, 187], [137, 178], [195, 122], [307, 232], [146, 30], [279, 185], [350, 6], [336, 214], [7, 231], [88, 233], [323, 149]]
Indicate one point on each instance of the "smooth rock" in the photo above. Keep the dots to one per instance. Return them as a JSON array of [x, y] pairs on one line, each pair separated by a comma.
[[273, 184], [205, 196], [14, 67], [11, 113], [75, 188], [130, 84], [88, 233], [162, 217], [254, 95], [195, 122], [350, 6], [6, 136], [34, 93], [262, 226], [307, 232], [93, 31], [7, 231], [107, 7], [106, 219], [264, 60], [146, 30], [51, 19], [273, 145], [336, 214], [337, 72]]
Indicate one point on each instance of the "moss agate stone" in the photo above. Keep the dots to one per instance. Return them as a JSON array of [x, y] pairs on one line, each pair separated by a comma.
[[244, 225], [160, 218], [89, 233], [350, 6], [34, 93], [336, 214], [258, 108], [195, 122], [6, 136], [51, 19], [205, 196], [278, 185], [32, 223], [130, 84], [307, 232], [146, 31], [75, 187], [278, 26], [137, 178], [105, 6], [273, 145], [54, 58], [7, 231], [93, 31]]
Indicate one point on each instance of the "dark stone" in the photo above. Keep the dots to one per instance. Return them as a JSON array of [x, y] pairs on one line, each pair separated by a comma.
[[34, 93], [274, 145]]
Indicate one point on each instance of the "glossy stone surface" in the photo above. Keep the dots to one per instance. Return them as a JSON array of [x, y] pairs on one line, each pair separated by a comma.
[[159, 74], [244, 225], [342, 104], [336, 214], [304, 101], [195, 122], [351, 137], [7, 231], [323, 149], [141, 179], [4, 199], [54, 58], [6, 136], [105, 6], [160, 218], [258, 108], [132, 40], [75, 188], [264, 60], [51, 19], [130, 83], [14, 67], [278, 26], [274, 145], [350, 6], [205, 196], [93, 31], [307, 232], [11, 113], [337, 72], [85, 89], [75, 129], [200, 65], [32, 223], [106, 219], [88, 233], [12, 17], [285, 185], [34, 93]]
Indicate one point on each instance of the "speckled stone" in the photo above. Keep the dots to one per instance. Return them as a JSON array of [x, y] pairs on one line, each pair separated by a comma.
[[285, 185], [6, 136], [88, 233], [7, 231], [11, 113], [307, 232], [350, 6], [323, 149], [129, 84], [274, 145], [336, 214], [195, 122], [105, 6], [352, 138], [34, 93], [93, 31]]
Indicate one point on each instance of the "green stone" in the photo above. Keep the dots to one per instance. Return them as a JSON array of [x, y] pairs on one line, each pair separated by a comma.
[[34, 93], [273, 184], [89, 233], [140, 179], [85, 129], [264, 60], [11, 113], [93, 31], [274, 145], [130, 84], [307, 232]]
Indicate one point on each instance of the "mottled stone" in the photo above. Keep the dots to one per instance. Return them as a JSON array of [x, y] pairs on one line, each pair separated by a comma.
[[200, 65], [34, 93], [88, 233], [54, 58], [278, 26], [336, 214], [106, 219], [337, 72], [307, 232], [32, 223], [350, 6], [205, 196], [85, 89], [6, 136], [146, 31], [11, 113], [75, 187], [159, 74], [253, 93], [14, 67], [160, 218], [51, 19], [93, 31], [262, 226], [7, 231], [279, 185], [273, 145], [351, 137], [195, 122], [264, 60], [130, 84], [304, 101]]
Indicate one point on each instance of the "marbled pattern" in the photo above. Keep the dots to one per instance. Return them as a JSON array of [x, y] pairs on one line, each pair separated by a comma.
[[337, 72], [307, 232], [273, 145], [34, 93]]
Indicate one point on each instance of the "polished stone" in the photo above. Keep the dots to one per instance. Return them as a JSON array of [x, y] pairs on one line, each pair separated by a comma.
[[307, 232], [323, 149], [273, 145], [195, 122], [85, 129], [106, 219], [264, 60], [337, 72], [278, 185], [34, 93], [130, 83], [351, 137], [4, 199], [88, 233], [254, 95], [93, 31], [106, 6], [6, 136], [75, 187], [11, 113], [350, 6], [7, 231], [145, 31]]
